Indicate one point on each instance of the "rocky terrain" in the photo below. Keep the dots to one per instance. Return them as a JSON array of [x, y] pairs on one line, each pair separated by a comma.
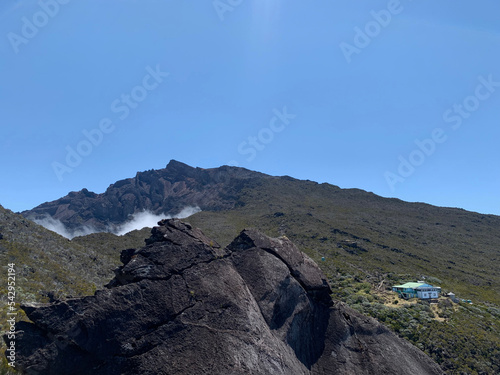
[[163, 191], [363, 243], [184, 305]]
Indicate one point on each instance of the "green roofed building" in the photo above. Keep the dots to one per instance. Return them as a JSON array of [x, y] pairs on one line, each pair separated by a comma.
[[417, 290]]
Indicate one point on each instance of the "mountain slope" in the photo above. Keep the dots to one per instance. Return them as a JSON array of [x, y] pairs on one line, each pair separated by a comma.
[[46, 262], [356, 228], [51, 267], [184, 305], [164, 191], [368, 243]]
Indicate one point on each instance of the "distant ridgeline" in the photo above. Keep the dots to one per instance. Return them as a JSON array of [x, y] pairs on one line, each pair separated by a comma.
[[165, 191]]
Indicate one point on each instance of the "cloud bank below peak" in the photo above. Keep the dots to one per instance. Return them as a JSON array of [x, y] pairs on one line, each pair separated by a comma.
[[138, 220]]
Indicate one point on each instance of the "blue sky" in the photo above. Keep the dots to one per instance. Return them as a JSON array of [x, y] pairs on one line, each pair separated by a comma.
[[332, 91]]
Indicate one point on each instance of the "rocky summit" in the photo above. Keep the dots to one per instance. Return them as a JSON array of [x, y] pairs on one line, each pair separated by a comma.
[[162, 191], [184, 305]]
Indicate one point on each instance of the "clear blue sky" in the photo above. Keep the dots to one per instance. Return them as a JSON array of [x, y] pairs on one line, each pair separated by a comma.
[[419, 70]]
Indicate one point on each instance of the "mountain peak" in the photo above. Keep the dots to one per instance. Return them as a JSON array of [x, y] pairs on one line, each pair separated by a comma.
[[177, 165], [162, 192]]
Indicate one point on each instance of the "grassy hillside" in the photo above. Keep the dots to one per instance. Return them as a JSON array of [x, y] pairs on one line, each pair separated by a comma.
[[49, 266], [370, 243], [47, 262], [362, 233]]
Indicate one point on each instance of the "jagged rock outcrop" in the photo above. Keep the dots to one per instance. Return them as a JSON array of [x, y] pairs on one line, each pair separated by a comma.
[[163, 191], [184, 305]]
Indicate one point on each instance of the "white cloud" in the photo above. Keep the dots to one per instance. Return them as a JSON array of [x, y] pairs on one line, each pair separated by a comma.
[[57, 226], [138, 220], [144, 219]]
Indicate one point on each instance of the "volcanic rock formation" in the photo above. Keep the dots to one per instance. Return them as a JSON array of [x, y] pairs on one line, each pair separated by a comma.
[[163, 191], [184, 305]]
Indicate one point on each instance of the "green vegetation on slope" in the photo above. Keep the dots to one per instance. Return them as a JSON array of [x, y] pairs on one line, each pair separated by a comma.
[[371, 242], [362, 232], [49, 266], [461, 338]]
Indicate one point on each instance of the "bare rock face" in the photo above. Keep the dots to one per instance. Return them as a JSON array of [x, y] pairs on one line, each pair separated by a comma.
[[163, 191], [184, 305]]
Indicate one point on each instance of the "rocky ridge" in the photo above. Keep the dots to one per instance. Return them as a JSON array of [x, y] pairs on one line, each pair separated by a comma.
[[164, 191], [184, 305]]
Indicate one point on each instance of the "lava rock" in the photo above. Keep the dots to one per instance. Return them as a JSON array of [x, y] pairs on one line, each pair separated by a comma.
[[184, 305]]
